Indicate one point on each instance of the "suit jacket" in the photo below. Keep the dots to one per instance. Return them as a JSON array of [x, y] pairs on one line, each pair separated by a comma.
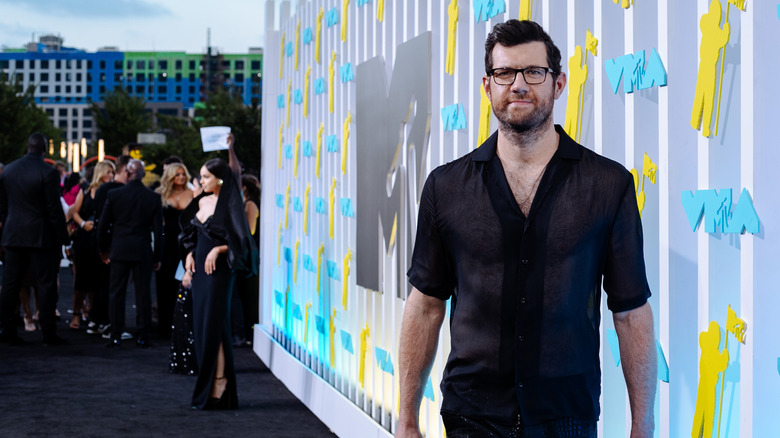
[[30, 209], [131, 215]]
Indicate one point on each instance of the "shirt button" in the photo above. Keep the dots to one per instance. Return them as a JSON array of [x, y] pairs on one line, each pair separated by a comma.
[[524, 261], [522, 300]]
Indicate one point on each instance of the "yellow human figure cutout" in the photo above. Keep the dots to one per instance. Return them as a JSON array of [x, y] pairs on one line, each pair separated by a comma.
[[306, 323], [591, 43], [485, 109], [331, 74], [318, 36], [624, 3], [306, 210], [344, 283], [297, 149], [737, 327], [344, 17], [712, 39], [332, 336], [287, 208], [578, 74], [306, 93], [289, 99], [740, 4], [295, 262], [347, 121], [280, 144], [525, 9], [331, 210], [279, 246], [319, 148], [711, 364], [452, 33], [297, 43], [649, 170], [363, 347], [281, 57], [380, 10], [320, 251]]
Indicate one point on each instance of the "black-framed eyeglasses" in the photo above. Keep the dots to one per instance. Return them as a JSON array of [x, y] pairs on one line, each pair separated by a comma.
[[532, 75]]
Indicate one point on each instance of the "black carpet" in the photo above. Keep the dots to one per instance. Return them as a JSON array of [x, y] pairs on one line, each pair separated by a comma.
[[86, 390]]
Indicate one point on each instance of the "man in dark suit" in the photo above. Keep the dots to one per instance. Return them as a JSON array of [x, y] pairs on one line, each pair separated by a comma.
[[33, 227], [131, 214]]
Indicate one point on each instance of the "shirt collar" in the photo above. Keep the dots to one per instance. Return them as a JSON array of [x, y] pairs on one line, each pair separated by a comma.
[[567, 148]]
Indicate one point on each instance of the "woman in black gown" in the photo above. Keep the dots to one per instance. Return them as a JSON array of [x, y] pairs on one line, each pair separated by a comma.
[[218, 245], [175, 198]]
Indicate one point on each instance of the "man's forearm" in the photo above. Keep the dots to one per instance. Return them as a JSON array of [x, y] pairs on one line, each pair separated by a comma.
[[422, 320], [638, 356]]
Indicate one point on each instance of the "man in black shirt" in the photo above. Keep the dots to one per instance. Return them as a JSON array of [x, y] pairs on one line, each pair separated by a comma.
[[520, 233]]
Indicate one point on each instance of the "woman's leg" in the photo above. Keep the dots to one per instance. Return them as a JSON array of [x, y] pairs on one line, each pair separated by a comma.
[[220, 382]]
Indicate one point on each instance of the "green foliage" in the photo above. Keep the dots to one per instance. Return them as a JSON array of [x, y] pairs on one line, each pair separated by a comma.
[[119, 119], [182, 140], [20, 117], [225, 109]]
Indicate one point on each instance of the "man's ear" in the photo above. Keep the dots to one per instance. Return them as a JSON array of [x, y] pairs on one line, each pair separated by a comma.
[[486, 85], [560, 84]]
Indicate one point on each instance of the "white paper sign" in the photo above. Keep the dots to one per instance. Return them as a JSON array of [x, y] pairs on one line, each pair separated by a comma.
[[214, 138]]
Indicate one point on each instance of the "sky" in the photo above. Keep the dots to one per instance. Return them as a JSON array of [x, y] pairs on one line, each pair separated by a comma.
[[136, 25]]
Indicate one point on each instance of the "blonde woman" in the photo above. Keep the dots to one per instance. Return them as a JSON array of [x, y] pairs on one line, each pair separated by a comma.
[[175, 198], [86, 263]]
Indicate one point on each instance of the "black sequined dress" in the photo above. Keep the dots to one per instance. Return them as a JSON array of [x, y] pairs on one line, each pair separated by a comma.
[[182, 358]]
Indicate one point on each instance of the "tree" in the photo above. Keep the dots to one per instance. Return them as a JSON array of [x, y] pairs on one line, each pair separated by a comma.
[[182, 140], [225, 109], [119, 118], [20, 117]]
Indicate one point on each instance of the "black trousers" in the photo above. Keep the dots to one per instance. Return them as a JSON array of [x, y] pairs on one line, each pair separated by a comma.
[[120, 276], [44, 265], [458, 426]]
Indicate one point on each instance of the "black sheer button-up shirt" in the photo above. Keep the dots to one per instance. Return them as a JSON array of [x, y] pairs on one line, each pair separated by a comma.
[[526, 292]]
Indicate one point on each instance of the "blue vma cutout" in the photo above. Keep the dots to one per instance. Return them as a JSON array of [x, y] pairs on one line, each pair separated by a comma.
[[332, 143], [631, 68], [333, 270], [307, 36], [308, 263], [319, 206], [320, 324], [332, 17], [319, 86], [428, 390], [346, 342], [297, 312], [279, 298], [453, 117], [714, 208], [280, 200], [346, 73], [307, 151], [298, 96], [383, 360], [346, 207], [297, 204], [280, 101], [288, 151], [484, 10], [289, 49]]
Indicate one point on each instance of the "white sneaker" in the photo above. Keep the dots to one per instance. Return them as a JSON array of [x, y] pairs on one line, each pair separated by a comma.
[[126, 336]]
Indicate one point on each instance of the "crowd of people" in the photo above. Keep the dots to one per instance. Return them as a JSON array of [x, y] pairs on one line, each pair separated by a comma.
[[197, 236]]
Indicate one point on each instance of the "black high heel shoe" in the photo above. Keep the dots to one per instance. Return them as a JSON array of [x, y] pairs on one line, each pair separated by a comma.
[[218, 403]]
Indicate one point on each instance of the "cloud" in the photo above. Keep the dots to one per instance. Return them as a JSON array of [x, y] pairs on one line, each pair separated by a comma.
[[93, 8]]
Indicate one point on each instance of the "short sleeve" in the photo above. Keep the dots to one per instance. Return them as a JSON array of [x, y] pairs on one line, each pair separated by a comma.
[[625, 278], [430, 269]]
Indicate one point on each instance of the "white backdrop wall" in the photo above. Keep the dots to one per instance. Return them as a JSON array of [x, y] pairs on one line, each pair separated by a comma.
[[336, 345]]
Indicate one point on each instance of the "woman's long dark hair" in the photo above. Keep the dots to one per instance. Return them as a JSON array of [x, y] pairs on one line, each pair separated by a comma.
[[252, 186]]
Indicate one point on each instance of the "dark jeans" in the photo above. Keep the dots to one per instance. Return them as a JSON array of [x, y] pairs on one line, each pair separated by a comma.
[[458, 426], [44, 265]]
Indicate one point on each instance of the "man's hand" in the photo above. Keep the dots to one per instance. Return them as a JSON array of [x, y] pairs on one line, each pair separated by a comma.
[[105, 258]]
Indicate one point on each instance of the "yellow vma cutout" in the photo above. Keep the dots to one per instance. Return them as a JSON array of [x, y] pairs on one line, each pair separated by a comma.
[[713, 38], [649, 170], [318, 37], [578, 75], [344, 283], [281, 57], [297, 43], [345, 132], [363, 347], [344, 16], [331, 73], [452, 33], [306, 93], [712, 363], [526, 6], [624, 3], [485, 109]]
